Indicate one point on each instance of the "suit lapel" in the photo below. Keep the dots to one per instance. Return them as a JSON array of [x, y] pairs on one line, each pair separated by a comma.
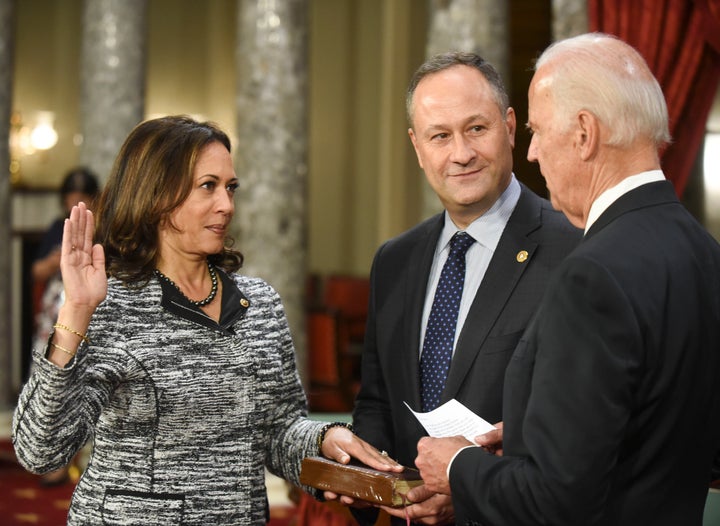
[[501, 277], [416, 277]]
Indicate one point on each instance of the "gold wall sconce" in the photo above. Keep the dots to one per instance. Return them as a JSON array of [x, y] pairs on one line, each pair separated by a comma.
[[27, 138]]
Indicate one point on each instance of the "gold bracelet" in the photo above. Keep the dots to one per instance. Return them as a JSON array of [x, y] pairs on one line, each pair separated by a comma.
[[82, 336], [326, 428], [63, 349]]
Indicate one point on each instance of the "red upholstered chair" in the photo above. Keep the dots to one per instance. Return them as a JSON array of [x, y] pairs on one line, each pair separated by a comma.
[[336, 315], [333, 382], [349, 295]]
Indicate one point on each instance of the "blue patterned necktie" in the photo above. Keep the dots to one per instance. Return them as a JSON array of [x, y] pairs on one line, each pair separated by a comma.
[[440, 331]]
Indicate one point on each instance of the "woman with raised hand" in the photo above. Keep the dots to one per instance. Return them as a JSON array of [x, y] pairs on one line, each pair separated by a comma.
[[181, 370]]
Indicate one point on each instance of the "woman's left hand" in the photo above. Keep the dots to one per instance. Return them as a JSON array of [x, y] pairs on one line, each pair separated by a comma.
[[341, 445]]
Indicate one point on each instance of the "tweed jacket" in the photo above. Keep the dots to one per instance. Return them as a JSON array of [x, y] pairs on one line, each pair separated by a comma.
[[185, 413]]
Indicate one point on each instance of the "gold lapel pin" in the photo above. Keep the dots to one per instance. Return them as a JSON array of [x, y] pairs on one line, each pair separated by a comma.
[[522, 256], [244, 302]]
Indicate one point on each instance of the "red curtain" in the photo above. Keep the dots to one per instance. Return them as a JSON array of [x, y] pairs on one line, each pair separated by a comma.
[[680, 40]]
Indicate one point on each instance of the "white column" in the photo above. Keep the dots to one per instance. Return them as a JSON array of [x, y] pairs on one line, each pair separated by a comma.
[[570, 18], [271, 150], [112, 78]]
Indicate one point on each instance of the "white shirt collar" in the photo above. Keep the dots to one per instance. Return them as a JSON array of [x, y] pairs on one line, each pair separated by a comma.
[[611, 195]]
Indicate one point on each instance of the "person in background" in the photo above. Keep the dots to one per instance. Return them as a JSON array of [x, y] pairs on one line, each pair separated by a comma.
[[612, 397], [79, 184], [181, 369], [463, 131]]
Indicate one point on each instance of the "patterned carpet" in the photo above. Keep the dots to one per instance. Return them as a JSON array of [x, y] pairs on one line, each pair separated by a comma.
[[24, 501]]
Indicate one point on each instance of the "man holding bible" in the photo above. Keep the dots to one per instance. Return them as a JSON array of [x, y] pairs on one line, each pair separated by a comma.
[[451, 296]]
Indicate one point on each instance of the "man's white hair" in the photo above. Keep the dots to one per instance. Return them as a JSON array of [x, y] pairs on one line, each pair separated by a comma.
[[602, 74]]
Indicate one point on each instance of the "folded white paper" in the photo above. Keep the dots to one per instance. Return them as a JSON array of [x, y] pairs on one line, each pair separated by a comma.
[[452, 419]]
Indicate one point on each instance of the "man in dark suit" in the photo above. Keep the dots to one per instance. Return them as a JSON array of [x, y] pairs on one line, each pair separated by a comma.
[[612, 397], [463, 131]]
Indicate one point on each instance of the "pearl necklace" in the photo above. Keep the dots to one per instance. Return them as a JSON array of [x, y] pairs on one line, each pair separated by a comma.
[[199, 303]]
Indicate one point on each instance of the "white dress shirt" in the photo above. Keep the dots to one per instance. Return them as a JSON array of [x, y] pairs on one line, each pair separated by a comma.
[[611, 195]]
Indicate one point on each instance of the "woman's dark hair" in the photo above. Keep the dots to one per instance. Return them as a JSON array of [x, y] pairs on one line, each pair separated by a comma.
[[152, 176]]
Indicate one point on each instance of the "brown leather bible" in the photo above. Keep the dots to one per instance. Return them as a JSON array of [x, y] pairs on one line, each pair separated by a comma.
[[359, 481]]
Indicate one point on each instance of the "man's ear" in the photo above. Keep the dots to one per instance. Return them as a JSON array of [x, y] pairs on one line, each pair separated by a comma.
[[511, 124], [413, 139], [587, 134]]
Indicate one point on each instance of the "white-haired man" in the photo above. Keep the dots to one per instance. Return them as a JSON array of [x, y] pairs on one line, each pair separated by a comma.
[[612, 397]]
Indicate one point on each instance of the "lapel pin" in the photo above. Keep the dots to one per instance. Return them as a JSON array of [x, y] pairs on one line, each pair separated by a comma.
[[522, 256], [244, 302]]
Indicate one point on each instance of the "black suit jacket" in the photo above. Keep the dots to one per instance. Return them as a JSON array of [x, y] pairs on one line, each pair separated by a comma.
[[612, 397], [503, 305]]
